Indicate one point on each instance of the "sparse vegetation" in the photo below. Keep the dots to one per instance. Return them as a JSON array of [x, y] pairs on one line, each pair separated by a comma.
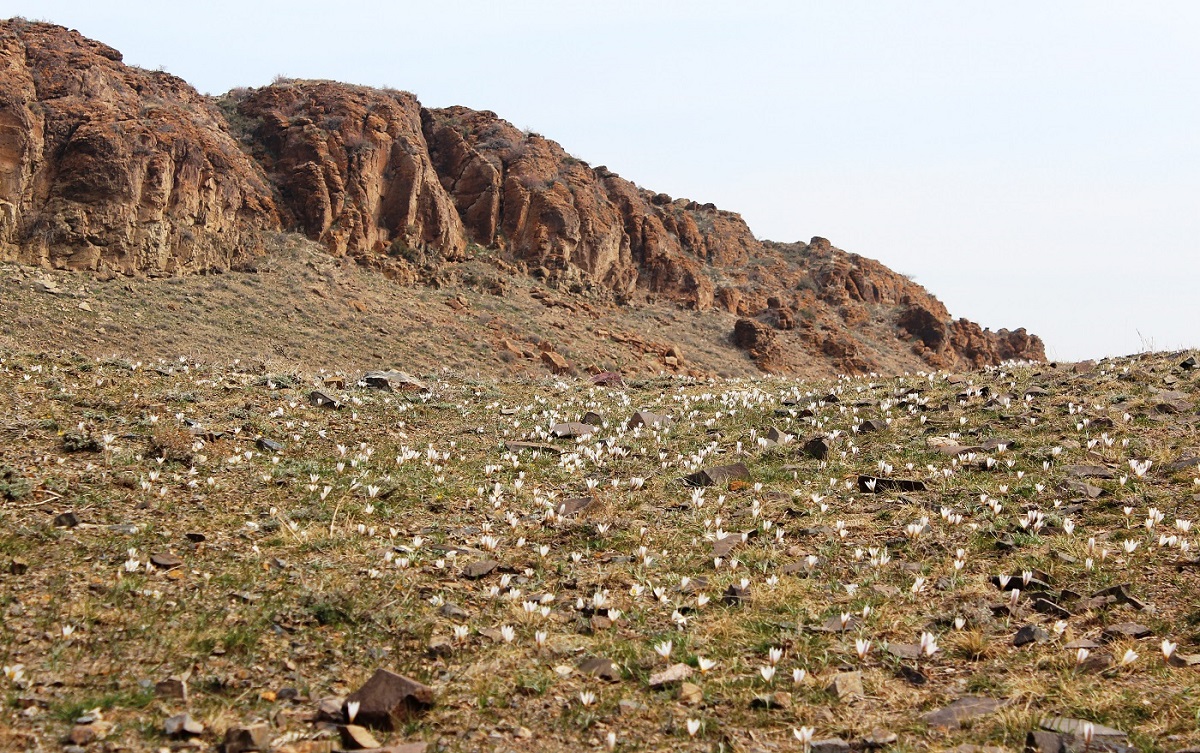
[[303, 568]]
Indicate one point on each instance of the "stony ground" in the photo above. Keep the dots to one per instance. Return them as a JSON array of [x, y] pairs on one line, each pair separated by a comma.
[[992, 559]]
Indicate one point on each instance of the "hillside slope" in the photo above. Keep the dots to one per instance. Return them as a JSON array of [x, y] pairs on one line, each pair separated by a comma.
[[117, 170]]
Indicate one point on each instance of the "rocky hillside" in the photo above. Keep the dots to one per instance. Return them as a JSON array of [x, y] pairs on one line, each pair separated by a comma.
[[118, 170]]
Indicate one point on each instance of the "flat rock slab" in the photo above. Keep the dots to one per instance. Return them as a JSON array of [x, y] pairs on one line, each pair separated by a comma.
[[479, 569], [645, 418], [882, 484], [268, 445], [1062, 735], [904, 650], [393, 381], [1126, 630], [572, 429], [718, 474], [1183, 464], [1045, 606], [1069, 726], [964, 709], [1089, 471], [726, 544], [165, 561], [847, 685], [1079, 643], [388, 700], [672, 674], [994, 443]]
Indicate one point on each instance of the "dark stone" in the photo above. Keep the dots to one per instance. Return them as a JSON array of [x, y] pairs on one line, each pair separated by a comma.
[[593, 419], [172, 687], [882, 484], [1045, 606], [718, 474], [736, 595], [324, 400], [195, 537], [256, 737], [478, 569], [1182, 464], [816, 447], [66, 520], [1121, 595], [829, 745], [1030, 634], [872, 425], [913, 675], [393, 381], [268, 445], [387, 700], [1040, 741], [989, 445]]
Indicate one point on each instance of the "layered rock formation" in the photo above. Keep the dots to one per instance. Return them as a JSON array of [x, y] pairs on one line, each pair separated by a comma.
[[106, 166], [103, 165]]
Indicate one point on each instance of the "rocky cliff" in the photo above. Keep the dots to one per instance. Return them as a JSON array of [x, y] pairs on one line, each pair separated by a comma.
[[104, 166]]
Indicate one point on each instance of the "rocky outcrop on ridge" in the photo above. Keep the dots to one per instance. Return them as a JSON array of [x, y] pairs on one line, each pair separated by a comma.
[[104, 166], [111, 168]]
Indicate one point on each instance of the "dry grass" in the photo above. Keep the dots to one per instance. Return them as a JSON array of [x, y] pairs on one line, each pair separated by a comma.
[[298, 582]]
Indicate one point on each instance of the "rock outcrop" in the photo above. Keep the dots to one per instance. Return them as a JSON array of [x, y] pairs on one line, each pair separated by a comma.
[[104, 166], [107, 166], [352, 167]]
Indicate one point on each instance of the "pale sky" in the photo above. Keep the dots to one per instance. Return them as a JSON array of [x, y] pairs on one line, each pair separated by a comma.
[[1033, 164]]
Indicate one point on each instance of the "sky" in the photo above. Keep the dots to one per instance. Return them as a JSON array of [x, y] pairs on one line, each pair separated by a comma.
[[1032, 164]]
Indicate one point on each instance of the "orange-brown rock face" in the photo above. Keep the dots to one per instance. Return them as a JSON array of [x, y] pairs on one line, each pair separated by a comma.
[[522, 193], [104, 166], [352, 167], [107, 166]]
